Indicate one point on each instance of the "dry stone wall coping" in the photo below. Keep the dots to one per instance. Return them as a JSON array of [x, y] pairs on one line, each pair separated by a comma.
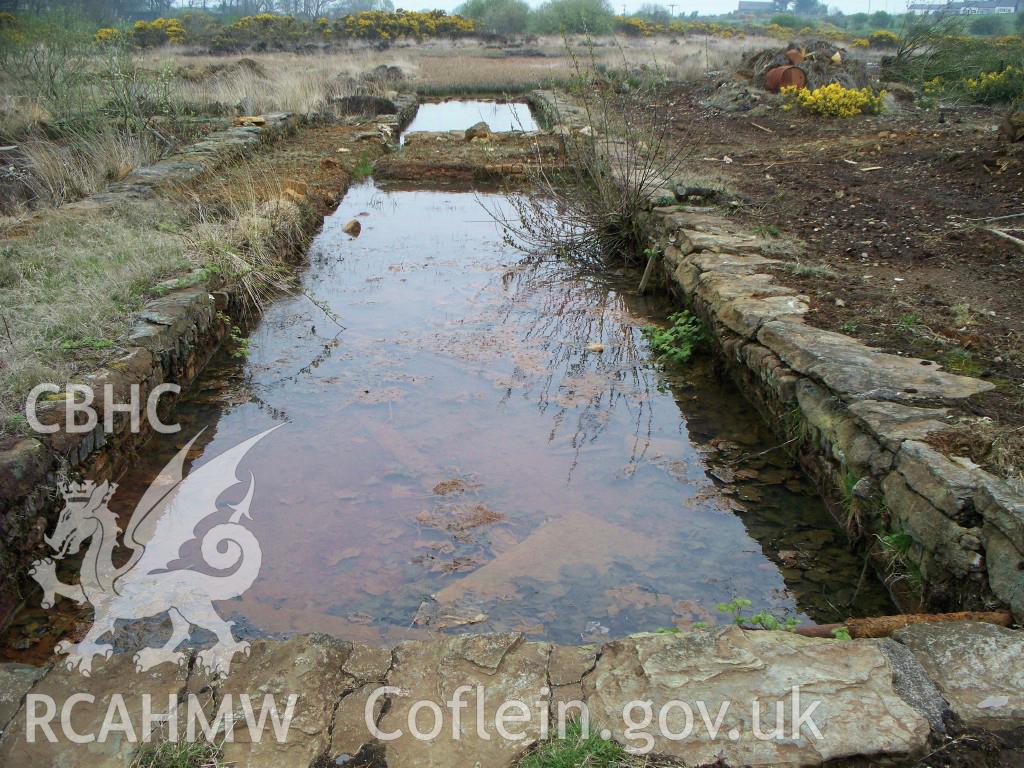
[[876, 698], [869, 411]]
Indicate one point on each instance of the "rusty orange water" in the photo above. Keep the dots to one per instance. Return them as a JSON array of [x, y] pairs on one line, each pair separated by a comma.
[[460, 454]]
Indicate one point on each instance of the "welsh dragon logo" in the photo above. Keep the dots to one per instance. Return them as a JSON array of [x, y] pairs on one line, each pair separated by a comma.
[[166, 518]]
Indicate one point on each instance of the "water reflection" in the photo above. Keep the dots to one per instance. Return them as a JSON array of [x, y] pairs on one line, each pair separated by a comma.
[[459, 455], [459, 114]]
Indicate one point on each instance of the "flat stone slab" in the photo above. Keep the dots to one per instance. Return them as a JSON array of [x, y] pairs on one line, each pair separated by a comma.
[[693, 240], [979, 668], [309, 667], [745, 302], [504, 666], [858, 372], [858, 712], [110, 747], [15, 681], [892, 423]]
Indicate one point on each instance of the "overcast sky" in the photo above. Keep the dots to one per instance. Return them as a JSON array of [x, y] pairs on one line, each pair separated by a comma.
[[683, 6]]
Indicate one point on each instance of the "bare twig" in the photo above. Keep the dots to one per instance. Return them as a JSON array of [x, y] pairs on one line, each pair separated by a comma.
[[7, 330], [1006, 236]]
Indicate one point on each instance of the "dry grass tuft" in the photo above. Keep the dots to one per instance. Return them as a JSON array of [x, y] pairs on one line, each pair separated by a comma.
[[999, 448], [246, 237], [69, 287], [59, 172]]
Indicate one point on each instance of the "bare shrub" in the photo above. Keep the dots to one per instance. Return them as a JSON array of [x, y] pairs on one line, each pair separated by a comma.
[[55, 71], [618, 151]]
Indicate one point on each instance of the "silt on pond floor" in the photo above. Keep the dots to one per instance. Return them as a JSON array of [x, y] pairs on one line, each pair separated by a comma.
[[458, 455]]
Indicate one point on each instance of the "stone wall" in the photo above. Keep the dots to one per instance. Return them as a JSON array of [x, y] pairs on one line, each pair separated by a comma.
[[859, 417], [885, 701], [174, 337]]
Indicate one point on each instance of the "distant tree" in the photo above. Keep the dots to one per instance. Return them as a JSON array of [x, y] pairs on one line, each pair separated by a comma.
[[787, 20], [857, 21], [351, 7], [574, 16], [656, 13], [809, 7], [988, 25], [880, 20], [497, 17]]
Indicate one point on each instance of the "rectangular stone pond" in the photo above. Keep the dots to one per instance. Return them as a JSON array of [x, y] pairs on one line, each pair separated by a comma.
[[481, 441], [459, 114]]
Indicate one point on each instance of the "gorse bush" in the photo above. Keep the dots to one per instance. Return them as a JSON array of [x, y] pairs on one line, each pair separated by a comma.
[[883, 38], [930, 48], [833, 100], [1005, 87], [150, 34], [383, 25]]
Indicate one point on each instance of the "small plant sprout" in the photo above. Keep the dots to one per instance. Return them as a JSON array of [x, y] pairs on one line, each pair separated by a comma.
[[678, 342], [763, 619]]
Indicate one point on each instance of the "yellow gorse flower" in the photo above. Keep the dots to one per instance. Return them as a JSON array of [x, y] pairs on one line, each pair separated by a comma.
[[833, 100]]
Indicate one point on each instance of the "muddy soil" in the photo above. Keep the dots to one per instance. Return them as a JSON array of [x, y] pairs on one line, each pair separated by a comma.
[[890, 213]]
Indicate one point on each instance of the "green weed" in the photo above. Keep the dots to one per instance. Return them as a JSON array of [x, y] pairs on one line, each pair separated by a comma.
[[88, 342], [908, 322], [169, 754], [764, 619], [962, 361], [577, 750], [849, 501], [678, 342], [897, 546], [363, 168]]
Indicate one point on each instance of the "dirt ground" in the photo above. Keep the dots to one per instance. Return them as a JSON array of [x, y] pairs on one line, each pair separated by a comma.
[[890, 212]]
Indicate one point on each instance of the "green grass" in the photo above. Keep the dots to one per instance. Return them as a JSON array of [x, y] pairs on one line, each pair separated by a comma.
[[897, 546], [768, 231], [363, 168], [68, 288], [847, 481], [579, 751], [909, 322], [169, 754], [962, 361], [70, 284]]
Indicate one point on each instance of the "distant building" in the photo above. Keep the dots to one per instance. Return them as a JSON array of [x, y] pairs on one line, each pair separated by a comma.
[[756, 6], [964, 7]]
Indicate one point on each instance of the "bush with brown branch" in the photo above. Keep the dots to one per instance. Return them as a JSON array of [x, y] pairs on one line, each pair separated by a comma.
[[589, 204]]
